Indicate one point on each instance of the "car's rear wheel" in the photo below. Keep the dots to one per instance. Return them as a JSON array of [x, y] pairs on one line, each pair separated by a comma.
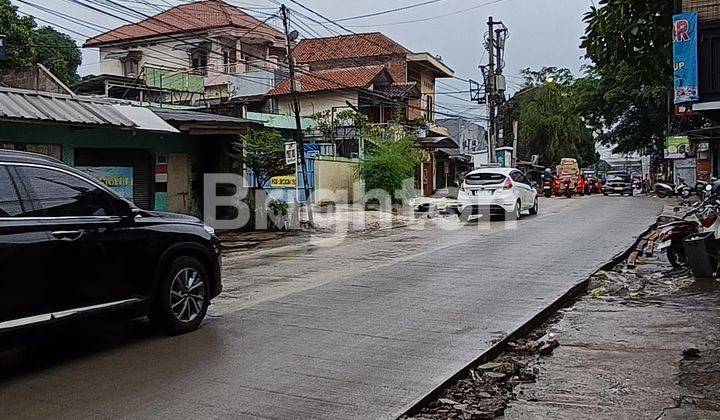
[[535, 208], [514, 214], [183, 297]]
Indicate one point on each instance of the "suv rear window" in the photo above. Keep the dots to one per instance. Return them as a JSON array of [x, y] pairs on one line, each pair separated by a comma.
[[484, 179]]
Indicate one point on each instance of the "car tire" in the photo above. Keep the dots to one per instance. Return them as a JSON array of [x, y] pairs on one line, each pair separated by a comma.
[[535, 208], [605, 194], [515, 213], [183, 297]]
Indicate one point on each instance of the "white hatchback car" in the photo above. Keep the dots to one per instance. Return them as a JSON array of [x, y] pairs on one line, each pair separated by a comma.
[[501, 192]]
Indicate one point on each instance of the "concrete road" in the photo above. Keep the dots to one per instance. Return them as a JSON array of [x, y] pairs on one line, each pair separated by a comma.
[[361, 329]]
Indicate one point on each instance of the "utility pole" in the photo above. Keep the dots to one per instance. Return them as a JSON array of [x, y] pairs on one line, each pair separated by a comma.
[[493, 94], [296, 107], [490, 90]]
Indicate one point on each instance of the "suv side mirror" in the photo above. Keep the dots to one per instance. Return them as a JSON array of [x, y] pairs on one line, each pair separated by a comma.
[[126, 209]]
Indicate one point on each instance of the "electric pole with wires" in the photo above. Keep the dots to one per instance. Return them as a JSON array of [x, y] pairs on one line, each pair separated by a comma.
[[289, 37], [493, 92]]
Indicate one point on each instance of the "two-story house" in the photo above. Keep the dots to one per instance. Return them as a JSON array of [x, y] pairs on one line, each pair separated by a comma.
[[371, 49], [192, 52], [410, 72]]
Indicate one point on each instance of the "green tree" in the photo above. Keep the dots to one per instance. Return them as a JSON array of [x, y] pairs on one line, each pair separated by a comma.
[[629, 84], [18, 31], [58, 52], [263, 152], [559, 75], [25, 45], [550, 125], [388, 164]]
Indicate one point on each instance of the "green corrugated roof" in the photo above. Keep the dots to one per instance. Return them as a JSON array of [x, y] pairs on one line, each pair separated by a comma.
[[281, 121]]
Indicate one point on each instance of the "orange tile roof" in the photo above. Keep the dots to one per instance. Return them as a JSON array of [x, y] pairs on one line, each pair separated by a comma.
[[336, 79], [346, 46], [202, 15]]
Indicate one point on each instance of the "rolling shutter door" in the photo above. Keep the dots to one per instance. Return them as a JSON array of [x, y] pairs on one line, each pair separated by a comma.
[[140, 160]]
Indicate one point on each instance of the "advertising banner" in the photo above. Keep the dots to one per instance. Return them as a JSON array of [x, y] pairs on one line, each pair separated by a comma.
[[119, 179], [677, 147], [685, 57]]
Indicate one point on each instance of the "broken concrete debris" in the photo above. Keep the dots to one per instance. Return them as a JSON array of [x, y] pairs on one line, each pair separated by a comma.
[[489, 387]]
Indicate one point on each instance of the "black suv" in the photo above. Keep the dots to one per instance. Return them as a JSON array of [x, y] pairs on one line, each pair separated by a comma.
[[70, 246], [618, 183]]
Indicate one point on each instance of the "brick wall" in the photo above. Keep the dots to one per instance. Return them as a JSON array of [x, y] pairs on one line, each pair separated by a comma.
[[708, 9]]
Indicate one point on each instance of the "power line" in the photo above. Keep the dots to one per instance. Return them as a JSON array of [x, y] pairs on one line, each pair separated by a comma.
[[170, 58], [369, 93], [429, 18], [397, 9], [315, 75], [363, 36]]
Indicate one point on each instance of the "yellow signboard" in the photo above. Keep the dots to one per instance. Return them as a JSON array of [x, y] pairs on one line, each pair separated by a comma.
[[288, 181]]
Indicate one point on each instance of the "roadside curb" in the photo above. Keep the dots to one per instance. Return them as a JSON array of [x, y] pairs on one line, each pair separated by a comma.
[[493, 352]]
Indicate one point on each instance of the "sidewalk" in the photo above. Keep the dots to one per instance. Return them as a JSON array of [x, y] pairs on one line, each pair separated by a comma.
[[641, 344], [628, 351]]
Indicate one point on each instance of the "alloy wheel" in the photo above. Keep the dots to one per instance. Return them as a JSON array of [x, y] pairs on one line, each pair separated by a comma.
[[187, 294]]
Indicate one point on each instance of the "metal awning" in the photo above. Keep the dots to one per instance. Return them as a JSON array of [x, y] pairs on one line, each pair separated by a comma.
[[32, 106], [205, 123], [437, 143], [145, 119]]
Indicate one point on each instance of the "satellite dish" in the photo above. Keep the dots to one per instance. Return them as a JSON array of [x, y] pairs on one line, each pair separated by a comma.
[[292, 36]]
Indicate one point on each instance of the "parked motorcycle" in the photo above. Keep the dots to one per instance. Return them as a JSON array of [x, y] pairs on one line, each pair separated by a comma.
[[664, 189], [702, 217], [701, 187]]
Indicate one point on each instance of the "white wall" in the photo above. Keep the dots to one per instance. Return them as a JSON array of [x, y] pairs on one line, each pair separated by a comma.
[[161, 54], [313, 103], [480, 159], [164, 54]]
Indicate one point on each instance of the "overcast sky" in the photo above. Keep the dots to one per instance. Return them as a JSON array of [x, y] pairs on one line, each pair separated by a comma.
[[542, 32]]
